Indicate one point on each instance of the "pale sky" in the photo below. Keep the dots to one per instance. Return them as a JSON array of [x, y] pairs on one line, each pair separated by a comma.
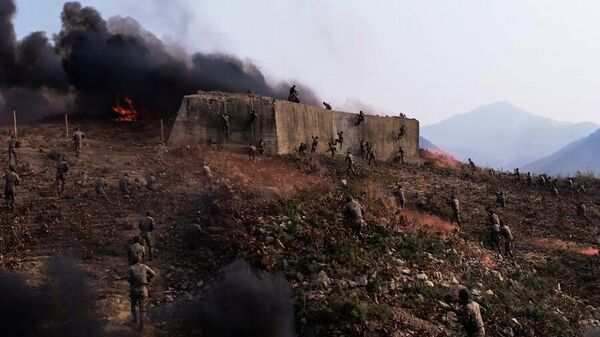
[[429, 59]]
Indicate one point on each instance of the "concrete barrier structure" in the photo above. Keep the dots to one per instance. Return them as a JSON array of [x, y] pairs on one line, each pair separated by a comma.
[[283, 125]]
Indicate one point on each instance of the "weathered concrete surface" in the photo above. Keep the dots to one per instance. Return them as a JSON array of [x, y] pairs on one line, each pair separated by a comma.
[[284, 125]]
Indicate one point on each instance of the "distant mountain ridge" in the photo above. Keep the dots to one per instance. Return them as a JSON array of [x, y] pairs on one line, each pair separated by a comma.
[[501, 135], [579, 156]]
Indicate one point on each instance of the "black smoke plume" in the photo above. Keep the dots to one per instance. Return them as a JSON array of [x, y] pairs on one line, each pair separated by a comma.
[[61, 307], [243, 303], [91, 63]]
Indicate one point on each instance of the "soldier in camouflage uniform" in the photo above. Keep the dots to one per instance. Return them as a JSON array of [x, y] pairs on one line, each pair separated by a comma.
[[100, 187], [151, 183], [253, 118], [146, 226], [581, 188], [12, 149], [471, 315], [455, 204], [581, 211], [139, 277], [11, 180], [400, 155], [302, 149], [363, 151], [371, 154], [494, 230], [61, 173], [261, 147], [508, 239], [77, 141], [135, 250], [399, 196], [327, 106], [361, 118], [340, 139], [314, 145], [124, 185], [472, 165], [332, 148], [529, 180], [517, 176], [354, 214], [252, 152], [401, 132], [225, 123], [351, 162], [501, 199]]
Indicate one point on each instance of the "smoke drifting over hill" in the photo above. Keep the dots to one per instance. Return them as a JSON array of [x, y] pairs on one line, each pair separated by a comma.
[[92, 62]]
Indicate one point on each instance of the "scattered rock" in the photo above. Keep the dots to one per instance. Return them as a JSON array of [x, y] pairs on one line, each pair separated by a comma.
[[362, 281], [323, 279], [421, 277], [429, 284]]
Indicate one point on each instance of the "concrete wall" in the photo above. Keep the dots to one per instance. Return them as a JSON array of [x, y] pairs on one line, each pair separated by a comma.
[[284, 125]]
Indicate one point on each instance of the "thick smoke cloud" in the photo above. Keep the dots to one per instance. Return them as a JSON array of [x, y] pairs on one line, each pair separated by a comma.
[[244, 303], [61, 307], [91, 63]]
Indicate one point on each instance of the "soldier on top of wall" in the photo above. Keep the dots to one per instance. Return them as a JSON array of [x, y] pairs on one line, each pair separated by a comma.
[[361, 118], [294, 95], [327, 106]]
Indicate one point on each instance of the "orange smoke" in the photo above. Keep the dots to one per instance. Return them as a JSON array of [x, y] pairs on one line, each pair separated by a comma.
[[440, 159], [125, 110], [570, 246]]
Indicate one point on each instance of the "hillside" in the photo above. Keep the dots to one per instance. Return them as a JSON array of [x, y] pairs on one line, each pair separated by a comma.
[[580, 156], [501, 135], [307, 274]]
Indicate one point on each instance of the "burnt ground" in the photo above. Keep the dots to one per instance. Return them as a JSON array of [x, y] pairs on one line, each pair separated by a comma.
[[283, 216]]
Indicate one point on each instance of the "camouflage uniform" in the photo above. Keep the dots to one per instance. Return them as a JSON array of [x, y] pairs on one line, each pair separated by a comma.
[[146, 226], [332, 149], [61, 172], [302, 149], [399, 196], [517, 175], [350, 169], [139, 276], [294, 95], [402, 132], [77, 140], [261, 147], [363, 152], [135, 251], [455, 204], [225, 121], [12, 149], [100, 187], [494, 228], [327, 106], [361, 118], [340, 139], [81, 179], [529, 180], [11, 180], [400, 157], [354, 213], [508, 239], [501, 199], [253, 118], [471, 319], [314, 145], [124, 185], [581, 211], [252, 152], [152, 183], [371, 154]]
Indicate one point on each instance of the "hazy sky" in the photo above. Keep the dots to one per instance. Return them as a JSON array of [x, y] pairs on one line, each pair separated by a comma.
[[429, 59]]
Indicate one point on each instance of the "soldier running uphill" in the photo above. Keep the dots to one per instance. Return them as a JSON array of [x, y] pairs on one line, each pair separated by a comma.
[[351, 162], [139, 277], [508, 239], [252, 152], [471, 315], [455, 204], [581, 211], [11, 180], [61, 175], [399, 196], [146, 226], [494, 230], [13, 143], [501, 199], [332, 149], [354, 213], [135, 250], [100, 187], [124, 185], [314, 145], [77, 140]]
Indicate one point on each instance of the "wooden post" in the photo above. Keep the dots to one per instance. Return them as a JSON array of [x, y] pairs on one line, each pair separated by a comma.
[[15, 121], [67, 125], [162, 132]]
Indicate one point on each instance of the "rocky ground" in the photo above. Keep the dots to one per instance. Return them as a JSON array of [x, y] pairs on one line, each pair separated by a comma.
[[283, 216]]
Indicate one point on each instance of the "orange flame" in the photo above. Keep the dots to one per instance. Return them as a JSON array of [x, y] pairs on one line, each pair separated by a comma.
[[125, 110]]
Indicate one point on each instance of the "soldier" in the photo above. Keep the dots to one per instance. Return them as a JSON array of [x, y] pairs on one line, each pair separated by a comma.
[[252, 152], [135, 250], [146, 226], [571, 186], [494, 229], [400, 155], [517, 176], [13, 143], [508, 239], [581, 211], [61, 173], [471, 315], [261, 147], [253, 118], [294, 95], [501, 199], [371, 155], [340, 139], [302, 149], [399, 196], [139, 276], [351, 164], [124, 185], [225, 123], [529, 180], [554, 190], [213, 145], [332, 149], [455, 204], [402, 132], [354, 213], [472, 165], [11, 180], [361, 118], [314, 145], [100, 187], [542, 181], [327, 105], [77, 140], [363, 152]]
